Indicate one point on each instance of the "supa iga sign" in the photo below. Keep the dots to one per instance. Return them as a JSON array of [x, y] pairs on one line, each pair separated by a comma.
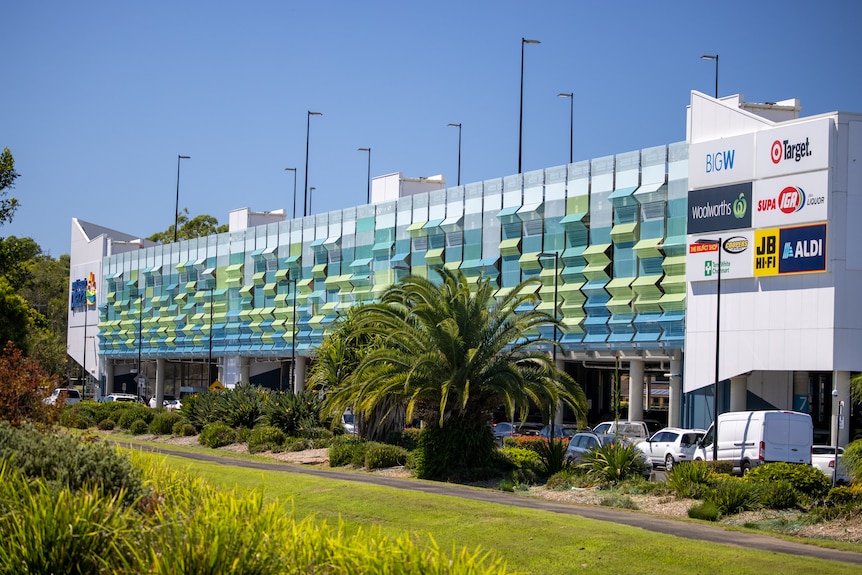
[[793, 250], [788, 200]]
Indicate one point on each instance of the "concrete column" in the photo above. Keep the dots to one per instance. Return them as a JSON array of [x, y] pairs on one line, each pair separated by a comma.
[[301, 363], [739, 393], [161, 368], [841, 381], [109, 380], [636, 390], [674, 404], [243, 370]]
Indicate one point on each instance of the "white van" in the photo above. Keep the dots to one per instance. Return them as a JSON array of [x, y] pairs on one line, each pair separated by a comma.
[[752, 438]]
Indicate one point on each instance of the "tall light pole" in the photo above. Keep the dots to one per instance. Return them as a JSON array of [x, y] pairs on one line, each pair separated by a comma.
[[293, 213], [369, 170], [571, 97], [459, 148], [177, 205], [713, 57], [521, 118], [307, 132], [556, 257]]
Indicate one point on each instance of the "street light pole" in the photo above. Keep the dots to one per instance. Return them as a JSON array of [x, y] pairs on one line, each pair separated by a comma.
[[717, 355], [177, 205], [713, 57], [305, 211], [369, 171], [293, 213], [571, 97], [521, 118], [459, 148]]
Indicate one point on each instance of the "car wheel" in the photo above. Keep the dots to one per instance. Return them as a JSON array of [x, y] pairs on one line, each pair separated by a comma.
[[746, 467], [668, 462]]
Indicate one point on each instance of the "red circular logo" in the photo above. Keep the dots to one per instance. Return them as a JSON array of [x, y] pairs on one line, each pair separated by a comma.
[[777, 151]]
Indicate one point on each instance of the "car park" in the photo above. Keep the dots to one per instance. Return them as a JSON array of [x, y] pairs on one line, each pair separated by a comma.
[[504, 429], [823, 458], [585, 441], [560, 431], [127, 397], [671, 445], [63, 395]]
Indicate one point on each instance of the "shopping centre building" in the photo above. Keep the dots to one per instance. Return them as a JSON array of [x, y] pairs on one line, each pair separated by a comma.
[[757, 207]]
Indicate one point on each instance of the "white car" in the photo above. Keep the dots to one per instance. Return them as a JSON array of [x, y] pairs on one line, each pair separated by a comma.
[[823, 458], [671, 445], [127, 397], [63, 395]]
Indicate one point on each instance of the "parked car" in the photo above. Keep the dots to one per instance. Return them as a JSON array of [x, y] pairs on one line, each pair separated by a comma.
[[173, 404], [671, 445], [128, 397], [585, 441], [823, 458], [504, 429], [752, 438], [632, 431], [560, 431], [348, 421], [63, 395]]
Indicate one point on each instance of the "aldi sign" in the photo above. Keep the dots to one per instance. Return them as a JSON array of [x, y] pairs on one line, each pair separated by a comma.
[[794, 250]]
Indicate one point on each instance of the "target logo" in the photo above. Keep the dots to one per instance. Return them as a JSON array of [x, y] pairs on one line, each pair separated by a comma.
[[777, 151]]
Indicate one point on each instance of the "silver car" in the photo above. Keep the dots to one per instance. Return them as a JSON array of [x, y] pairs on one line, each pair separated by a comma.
[[586, 441], [671, 445]]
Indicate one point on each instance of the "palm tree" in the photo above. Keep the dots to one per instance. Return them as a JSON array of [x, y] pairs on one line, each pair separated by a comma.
[[452, 354]]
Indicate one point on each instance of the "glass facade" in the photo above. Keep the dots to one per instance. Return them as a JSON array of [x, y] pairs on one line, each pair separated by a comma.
[[617, 225]]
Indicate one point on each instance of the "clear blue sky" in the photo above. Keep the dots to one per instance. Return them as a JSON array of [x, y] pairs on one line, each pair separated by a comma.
[[99, 97]]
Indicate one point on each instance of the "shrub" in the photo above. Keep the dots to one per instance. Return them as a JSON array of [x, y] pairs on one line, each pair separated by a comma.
[[522, 459], [552, 455], [844, 495], [690, 481], [75, 419], [778, 495], [183, 428], [617, 500], [733, 495], [568, 478], [67, 461], [138, 427], [807, 481], [106, 424], [463, 450], [407, 438], [294, 412], [130, 412], [217, 435], [347, 450], [381, 455], [706, 511], [614, 462], [21, 382], [244, 406], [720, 467], [531, 442], [312, 432], [163, 422], [852, 460], [265, 438], [242, 435]]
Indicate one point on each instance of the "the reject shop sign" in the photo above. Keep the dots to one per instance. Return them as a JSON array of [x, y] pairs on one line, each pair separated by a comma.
[[701, 264], [797, 199], [801, 147]]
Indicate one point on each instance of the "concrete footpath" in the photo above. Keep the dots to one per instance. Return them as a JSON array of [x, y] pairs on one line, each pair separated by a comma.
[[657, 524]]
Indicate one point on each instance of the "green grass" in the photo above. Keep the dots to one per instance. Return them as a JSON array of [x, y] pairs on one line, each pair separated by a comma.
[[530, 541]]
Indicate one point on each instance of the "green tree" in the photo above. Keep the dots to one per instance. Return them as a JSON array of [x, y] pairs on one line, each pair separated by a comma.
[[16, 316], [15, 257], [451, 355], [197, 227], [8, 175]]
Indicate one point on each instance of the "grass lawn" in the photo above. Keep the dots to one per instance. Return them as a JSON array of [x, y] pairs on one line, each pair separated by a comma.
[[535, 542]]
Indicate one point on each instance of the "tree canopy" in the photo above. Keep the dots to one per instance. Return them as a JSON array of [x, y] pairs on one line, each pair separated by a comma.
[[196, 227], [8, 175]]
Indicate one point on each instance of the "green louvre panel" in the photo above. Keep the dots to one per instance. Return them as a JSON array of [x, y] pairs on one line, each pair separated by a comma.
[[624, 233], [319, 271], [417, 230], [434, 256], [573, 325], [510, 247], [647, 294], [597, 262], [674, 266], [233, 275], [316, 322], [530, 261], [111, 297], [621, 295], [648, 248], [571, 294], [281, 275], [672, 302]]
